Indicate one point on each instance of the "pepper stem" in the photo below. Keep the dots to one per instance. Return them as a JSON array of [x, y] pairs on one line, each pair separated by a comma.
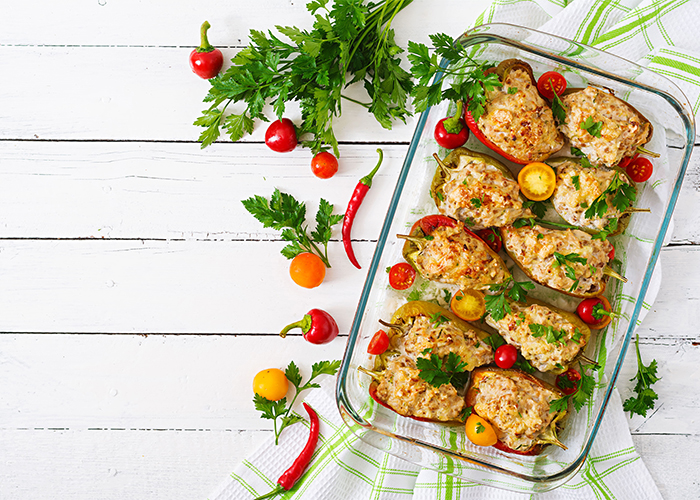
[[632, 210], [374, 375], [445, 169], [367, 179], [419, 242], [304, 324], [608, 271], [452, 125], [589, 361], [278, 489], [204, 45], [393, 326], [647, 152]]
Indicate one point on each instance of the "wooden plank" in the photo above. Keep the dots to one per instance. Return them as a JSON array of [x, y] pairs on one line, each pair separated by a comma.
[[157, 23], [221, 287], [170, 382], [99, 190], [181, 465]]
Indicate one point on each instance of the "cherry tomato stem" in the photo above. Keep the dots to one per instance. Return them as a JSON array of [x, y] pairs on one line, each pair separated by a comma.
[[206, 61]]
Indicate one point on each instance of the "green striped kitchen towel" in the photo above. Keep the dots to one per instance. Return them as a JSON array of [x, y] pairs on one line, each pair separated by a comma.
[[657, 34]]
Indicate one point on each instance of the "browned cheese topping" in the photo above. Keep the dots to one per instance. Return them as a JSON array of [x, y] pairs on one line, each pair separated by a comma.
[[521, 124], [623, 128], [402, 388], [517, 407], [481, 195], [535, 248], [546, 349], [443, 337], [577, 188], [452, 256]]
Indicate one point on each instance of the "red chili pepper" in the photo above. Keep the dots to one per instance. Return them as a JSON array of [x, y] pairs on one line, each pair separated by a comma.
[[471, 123], [318, 326], [205, 60], [292, 475], [357, 196]]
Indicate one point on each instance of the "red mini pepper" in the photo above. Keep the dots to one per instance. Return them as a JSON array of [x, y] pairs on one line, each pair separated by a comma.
[[452, 132], [292, 475], [357, 196], [205, 60], [318, 326]]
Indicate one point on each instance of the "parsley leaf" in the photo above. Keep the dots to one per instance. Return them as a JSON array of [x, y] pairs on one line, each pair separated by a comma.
[[623, 196], [539, 208], [577, 183], [579, 398], [558, 109], [646, 397], [274, 410], [284, 212], [593, 128], [585, 162], [476, 202], [497, 305], [438, 371]]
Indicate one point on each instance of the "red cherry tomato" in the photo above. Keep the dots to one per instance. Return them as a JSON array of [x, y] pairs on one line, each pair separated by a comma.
[[589, 308], [401, 276], [627, 160], [451, 140], [379, 343], [281, 136], [491, 238], [505, 356], [324, 165], [550, 83], [568, 381], [205, 60], [640, 169]]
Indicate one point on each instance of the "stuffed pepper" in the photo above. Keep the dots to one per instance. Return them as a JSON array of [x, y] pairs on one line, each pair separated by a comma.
[[567, 260], [518, 407], [548, 337], [441, 249], [477, 190], [594, 199], [606, 129], [517, 123]]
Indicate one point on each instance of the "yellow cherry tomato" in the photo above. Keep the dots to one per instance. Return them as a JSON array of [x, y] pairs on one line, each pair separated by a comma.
[[480, 432], [271, 384], [307, 270], [537, 181], [469, 305]]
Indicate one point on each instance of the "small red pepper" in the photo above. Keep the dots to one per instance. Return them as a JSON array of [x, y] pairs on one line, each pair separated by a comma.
[[357, 196], [471, 123], [318, 326], [205, 60], [452, 132], [292, 475]]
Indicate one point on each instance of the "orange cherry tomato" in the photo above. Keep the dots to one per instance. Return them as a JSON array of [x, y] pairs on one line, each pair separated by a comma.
[[640, 169], [379, 343], [469, 305], [307, 270], [401, 276], [271, 384], [550, 83], [480, 431], [537, 181], [324, 165], [588, 311]]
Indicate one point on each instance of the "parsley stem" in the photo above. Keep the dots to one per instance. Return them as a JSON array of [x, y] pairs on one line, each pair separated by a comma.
[[364, 104]]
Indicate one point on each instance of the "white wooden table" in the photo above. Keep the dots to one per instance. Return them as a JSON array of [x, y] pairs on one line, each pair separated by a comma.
[[138, 298]]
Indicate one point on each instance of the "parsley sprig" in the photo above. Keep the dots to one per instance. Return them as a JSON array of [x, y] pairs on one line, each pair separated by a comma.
[[581, 396], [284, 212], [497, 306], [623, 196], [438, 371], [585, 162], [274, 410], [472, 84], [558, 108], [593, 128], [351, 41], [646, 396]]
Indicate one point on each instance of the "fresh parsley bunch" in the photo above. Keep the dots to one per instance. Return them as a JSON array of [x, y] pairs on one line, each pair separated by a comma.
[[274, 410], [350, 42], [469, 85], [284, 212], [646, 396]]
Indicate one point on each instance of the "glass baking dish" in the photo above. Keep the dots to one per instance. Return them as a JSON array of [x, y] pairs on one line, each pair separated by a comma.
[[445, 448]]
